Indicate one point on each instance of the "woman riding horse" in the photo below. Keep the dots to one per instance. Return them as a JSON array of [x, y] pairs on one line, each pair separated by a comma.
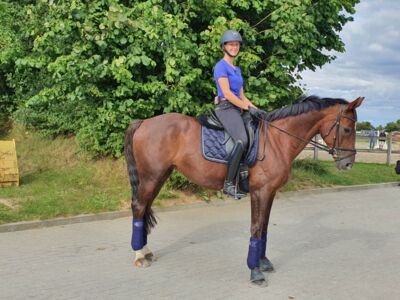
[[231, 101], [156, 146]]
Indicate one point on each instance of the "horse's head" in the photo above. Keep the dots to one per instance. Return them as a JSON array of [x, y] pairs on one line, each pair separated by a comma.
[[338, 130]]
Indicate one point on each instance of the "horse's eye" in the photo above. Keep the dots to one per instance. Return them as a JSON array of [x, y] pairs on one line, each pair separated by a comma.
[[347, 130]]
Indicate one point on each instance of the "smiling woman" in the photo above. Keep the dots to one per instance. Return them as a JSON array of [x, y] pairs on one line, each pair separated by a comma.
[[231, 103]]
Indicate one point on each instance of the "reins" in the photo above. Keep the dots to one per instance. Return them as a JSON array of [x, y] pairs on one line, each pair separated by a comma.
[[331, 150]]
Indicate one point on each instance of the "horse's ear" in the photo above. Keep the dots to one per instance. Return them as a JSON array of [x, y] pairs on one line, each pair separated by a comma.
[[353, 105]]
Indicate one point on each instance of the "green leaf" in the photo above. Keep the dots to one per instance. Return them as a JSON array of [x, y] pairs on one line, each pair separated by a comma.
[[89, 67]]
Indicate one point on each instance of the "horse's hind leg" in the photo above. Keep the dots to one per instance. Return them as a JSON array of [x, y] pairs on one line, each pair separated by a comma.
[[148, 168], [143, 218], [143, 255]]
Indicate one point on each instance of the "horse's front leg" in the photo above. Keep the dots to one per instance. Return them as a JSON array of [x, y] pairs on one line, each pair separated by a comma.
[[265, 263], [261, 203]]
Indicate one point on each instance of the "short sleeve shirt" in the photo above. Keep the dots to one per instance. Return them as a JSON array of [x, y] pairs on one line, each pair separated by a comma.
[[234, 75]]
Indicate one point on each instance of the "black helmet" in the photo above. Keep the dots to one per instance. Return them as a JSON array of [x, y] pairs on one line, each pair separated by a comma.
[[231, 36]]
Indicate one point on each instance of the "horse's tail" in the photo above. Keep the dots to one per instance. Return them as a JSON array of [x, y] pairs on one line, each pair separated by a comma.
[[149, 217]]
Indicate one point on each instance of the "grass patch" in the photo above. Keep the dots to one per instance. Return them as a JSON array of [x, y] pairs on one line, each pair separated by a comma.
[[57, 180], [313, 174], [64, 192]]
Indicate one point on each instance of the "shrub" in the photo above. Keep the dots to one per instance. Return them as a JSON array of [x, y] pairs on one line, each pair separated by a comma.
[[89, 67]]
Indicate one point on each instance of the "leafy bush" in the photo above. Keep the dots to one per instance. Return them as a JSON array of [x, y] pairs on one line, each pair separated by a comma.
[[179, 182], [5, 125], [89, 67], [393, 126], [11, 48]]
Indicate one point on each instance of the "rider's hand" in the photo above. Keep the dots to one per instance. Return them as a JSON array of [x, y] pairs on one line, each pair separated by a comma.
[[255, 112]]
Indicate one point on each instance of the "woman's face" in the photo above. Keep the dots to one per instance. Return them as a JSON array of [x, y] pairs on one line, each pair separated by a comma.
[[232, 48]]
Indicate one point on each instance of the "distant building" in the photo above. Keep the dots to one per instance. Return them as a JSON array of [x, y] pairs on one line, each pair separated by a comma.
[[364, 132]]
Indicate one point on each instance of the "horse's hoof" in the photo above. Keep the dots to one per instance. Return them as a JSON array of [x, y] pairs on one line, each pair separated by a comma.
[[149, 257], [142, 263], [257, 278], [266, 265]]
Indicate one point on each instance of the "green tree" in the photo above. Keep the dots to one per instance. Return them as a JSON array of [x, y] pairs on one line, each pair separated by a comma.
[[92, 66], [364, 126], [11, 48], [393, 126]]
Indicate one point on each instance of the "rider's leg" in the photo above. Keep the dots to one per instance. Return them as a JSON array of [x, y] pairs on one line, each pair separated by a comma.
[[230, 116], [233, 167]]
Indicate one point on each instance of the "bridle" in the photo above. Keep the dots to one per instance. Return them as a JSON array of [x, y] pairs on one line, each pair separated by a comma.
[[335, 150]]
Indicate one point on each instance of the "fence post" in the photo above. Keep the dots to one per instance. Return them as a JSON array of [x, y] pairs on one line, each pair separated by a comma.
[[389, 148], [316, 139]]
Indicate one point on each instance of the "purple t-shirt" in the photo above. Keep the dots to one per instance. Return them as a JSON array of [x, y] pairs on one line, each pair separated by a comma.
[[224, 69]]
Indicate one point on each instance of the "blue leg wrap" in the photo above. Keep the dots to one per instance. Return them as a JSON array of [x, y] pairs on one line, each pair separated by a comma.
[[139, 236], [263, 245], [253, 258]]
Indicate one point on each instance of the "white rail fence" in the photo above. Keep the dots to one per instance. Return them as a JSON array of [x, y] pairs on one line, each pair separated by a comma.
[[385, 145]]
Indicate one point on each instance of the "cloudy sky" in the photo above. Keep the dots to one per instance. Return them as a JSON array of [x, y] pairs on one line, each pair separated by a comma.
[[370, 67]]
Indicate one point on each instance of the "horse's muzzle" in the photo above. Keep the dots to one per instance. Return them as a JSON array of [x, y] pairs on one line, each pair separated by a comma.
[[345, 164]]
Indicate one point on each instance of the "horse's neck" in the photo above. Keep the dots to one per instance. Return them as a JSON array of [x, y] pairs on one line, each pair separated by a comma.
[[304, 126]]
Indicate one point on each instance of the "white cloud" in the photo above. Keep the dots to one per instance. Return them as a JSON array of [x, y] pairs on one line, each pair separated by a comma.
[[375, 48], [370, 66]]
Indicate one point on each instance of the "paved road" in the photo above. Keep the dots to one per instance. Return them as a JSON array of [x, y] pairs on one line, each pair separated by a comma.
[[343, 245]]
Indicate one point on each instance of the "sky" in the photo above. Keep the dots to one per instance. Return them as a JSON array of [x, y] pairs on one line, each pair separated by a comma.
[[370, 67]]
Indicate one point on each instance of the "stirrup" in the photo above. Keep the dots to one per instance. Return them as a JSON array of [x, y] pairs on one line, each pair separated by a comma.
[[231, 190]]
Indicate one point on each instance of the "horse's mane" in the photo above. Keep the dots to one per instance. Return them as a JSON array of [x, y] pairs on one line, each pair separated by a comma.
[[302, 105]]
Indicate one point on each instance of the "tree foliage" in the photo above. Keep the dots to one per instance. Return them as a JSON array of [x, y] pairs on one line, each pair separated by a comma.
[[89, 67], [393, 126], [364, 125], [11, 47]]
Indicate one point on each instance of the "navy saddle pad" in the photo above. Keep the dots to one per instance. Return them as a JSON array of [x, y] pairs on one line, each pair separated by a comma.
[[216, 145]]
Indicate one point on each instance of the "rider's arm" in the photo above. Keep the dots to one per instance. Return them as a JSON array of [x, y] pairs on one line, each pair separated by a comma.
[[244, 98], [231, 97]]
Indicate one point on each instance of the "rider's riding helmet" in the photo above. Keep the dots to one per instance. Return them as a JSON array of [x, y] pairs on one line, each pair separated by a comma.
[[231, 36]]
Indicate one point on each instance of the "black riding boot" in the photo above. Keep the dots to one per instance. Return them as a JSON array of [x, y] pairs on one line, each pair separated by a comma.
[[233, 166]]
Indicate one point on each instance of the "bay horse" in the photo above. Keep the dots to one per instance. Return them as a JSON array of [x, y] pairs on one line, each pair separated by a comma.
[[156, 146]]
